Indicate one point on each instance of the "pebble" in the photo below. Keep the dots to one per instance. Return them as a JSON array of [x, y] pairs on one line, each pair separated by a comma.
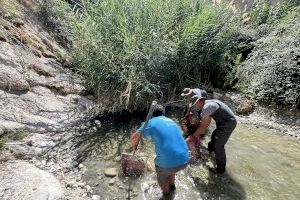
[[43, 162], [112, 181], [84, 195], [70, 183], [88, 188], [80, 166], [95, 197], [111, 172], [118, 158], [98, 123]]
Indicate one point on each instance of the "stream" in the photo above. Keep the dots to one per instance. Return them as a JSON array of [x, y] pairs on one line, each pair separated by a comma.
[[261, 165]]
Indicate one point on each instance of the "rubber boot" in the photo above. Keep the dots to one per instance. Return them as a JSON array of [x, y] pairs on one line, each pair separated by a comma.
[[221, 168], [172, 187], [210, 147]]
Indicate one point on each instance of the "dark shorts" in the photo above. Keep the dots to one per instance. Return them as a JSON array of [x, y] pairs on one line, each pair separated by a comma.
[[163, 174]]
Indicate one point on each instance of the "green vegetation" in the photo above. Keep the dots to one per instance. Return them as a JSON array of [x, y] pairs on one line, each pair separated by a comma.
[[271, 74], [131, 51]]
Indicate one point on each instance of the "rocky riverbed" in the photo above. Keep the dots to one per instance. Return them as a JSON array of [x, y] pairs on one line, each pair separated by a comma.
[[51, 146]]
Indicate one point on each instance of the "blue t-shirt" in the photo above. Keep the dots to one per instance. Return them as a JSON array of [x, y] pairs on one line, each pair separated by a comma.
[[170, 147]]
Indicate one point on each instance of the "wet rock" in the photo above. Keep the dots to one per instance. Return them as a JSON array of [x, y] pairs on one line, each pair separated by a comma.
[[111, 172]]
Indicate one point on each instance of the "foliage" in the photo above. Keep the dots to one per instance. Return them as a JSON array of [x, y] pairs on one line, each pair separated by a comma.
[[265, 12], [54, 15], [260, 13], [132, 51], [271, 73]]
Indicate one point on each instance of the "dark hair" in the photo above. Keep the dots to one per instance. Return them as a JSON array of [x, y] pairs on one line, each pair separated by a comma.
[[159, 110]]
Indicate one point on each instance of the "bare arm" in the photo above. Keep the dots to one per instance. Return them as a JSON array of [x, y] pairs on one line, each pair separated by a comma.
[[135, 137], [205, 121]]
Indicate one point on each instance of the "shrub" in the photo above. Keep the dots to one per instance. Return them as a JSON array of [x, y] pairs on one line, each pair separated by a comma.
[[132, 51], [54, 16]]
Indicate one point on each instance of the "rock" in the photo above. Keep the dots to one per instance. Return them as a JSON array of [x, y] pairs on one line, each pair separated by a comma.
[[64, 87], [245, 107], [81, 184], [75, 186], [111, 172], [95, 197], [98, 123], [118, 159], [81, 166], [88, 188], [48, 54], [44, 162], [18, 23], [12, 80], [112, 181], [28, 182], [3, 38], [71, 183], [84, 195], [43, 69]]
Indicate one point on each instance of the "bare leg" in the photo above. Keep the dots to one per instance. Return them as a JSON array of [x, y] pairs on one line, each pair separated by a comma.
[[172, 179], [164, 187]]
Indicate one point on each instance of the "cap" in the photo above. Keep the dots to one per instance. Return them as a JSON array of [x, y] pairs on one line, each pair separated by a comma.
[[198, 94]]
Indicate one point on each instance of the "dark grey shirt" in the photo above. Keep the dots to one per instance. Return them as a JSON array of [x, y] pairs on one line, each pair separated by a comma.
[[219, 111]]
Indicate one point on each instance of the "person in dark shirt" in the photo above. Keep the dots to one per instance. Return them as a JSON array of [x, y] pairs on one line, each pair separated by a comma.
[[225, 122]]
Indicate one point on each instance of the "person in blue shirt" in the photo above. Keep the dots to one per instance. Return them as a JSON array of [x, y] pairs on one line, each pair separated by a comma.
[[170, 148]]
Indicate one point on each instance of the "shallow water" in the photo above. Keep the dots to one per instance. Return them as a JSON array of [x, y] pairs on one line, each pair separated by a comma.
[[261, 165]]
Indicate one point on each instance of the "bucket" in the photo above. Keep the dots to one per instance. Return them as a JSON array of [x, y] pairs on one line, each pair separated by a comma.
[[132, 166]]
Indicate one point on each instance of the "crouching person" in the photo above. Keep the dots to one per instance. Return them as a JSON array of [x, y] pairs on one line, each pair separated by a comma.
[[170, 148]]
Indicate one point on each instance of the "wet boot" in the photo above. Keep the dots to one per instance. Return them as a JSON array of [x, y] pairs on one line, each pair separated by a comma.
[[210, 147], [172, 187], [220, 169]]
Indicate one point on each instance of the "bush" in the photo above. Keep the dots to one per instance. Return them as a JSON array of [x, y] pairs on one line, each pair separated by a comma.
[[132, 51], [54, 16], [271, 74]]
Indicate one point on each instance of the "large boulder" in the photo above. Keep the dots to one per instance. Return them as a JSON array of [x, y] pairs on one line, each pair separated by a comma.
[[20, 180]]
